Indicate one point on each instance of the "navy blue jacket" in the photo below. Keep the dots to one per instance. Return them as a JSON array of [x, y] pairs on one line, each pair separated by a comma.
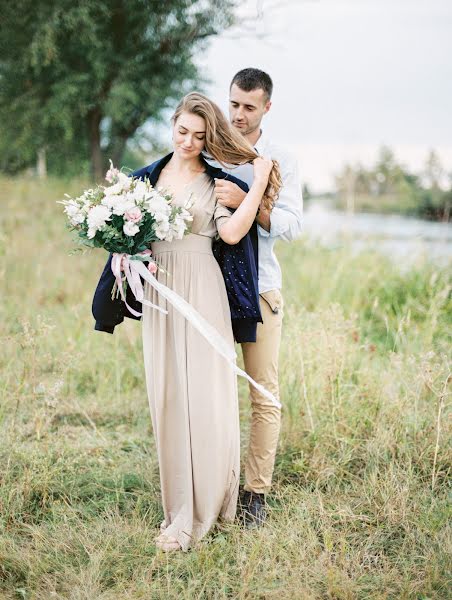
[[238, 263]]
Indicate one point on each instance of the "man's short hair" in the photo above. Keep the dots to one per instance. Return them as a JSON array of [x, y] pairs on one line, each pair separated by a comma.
[[253, 79]]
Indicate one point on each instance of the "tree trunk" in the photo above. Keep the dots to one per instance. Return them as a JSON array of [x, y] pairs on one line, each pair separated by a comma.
[[41, 163], [116, 150], [97, 167]]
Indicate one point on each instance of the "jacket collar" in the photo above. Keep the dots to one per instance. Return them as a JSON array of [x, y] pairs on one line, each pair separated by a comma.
[[153, 171]]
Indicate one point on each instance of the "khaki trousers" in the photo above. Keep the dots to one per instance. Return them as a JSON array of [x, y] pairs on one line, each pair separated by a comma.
[[261, 362]]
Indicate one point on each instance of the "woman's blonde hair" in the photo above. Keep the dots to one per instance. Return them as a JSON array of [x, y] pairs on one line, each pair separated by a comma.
[[223, 143]]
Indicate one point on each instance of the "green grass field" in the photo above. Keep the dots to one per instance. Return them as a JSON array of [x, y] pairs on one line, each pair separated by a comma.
[[359, 507]]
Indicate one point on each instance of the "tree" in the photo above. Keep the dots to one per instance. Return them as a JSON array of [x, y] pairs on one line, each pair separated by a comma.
[[82, 76], [436, 198], [433, 172], [391, 187]]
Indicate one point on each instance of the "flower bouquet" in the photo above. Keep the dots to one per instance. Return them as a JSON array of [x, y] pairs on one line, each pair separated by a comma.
[[124, 218]]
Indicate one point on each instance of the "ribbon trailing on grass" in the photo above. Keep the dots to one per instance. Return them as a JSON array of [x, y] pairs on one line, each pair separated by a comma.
[[134, 268]]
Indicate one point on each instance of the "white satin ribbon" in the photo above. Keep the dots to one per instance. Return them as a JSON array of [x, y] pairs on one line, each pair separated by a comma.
[[133, 269]]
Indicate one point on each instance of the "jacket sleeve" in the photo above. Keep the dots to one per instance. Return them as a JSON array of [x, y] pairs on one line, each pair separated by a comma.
[[107, 312]]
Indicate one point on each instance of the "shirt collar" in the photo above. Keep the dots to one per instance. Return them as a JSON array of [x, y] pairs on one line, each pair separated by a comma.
[[260, 144]]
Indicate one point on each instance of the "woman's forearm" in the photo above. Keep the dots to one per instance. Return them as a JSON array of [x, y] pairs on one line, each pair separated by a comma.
[[238, 225]]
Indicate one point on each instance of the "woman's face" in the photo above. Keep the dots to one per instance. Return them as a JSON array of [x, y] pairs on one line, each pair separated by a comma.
[[189, 135]]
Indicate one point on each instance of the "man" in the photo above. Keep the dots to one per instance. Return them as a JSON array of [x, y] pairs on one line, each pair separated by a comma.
[[249, 100]]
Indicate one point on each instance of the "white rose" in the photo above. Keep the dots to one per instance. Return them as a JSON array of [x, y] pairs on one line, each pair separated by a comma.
[[77, 219], [119, 204], [108, 201], [97, 217], [125, 181], [124, 206], [162, 230], [140, 190], [157, 204], [73, 211], [113, 190], [130, 228]]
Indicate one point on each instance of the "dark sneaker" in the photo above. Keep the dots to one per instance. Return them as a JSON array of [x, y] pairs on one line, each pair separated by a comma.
[[253, 509]]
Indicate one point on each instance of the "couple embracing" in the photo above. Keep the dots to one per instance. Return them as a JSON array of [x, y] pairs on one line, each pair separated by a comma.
[[245, 193]]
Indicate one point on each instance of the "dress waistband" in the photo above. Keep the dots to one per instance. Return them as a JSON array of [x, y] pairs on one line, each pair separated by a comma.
[[191, 242]]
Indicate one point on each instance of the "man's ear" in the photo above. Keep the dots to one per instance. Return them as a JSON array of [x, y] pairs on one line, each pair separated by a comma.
[[267, 106]]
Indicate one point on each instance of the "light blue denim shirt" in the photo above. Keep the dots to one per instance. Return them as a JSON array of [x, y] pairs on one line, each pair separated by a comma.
[[286, 216]]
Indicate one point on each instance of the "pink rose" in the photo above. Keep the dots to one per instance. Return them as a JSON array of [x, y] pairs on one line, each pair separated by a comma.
[[133, 214], [111, 174], [152, 267]]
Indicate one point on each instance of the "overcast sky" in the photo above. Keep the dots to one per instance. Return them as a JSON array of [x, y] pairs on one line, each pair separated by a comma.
[[349, 75]]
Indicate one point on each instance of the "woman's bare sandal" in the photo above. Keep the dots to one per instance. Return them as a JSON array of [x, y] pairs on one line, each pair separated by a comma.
[[167, 543]]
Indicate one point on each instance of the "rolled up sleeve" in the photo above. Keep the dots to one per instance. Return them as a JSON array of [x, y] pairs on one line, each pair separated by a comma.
[[286, 216]]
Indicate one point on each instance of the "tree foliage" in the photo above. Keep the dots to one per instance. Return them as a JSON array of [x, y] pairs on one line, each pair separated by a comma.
[[80, 77]]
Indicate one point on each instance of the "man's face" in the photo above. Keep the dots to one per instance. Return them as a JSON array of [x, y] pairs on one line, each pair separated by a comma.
[[246, 109]]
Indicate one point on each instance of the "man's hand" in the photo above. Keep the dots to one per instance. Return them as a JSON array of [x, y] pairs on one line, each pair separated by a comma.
[[228, 194], [264, 219]]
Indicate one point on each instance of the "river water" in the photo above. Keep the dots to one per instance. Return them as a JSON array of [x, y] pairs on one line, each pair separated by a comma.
[[404, 238]]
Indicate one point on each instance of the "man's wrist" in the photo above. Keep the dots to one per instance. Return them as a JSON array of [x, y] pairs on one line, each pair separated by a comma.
[[261, 213], [263, 217], [259, 209]]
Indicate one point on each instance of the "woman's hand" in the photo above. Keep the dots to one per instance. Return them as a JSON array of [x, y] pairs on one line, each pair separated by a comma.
[[240, 222], [262, 168]]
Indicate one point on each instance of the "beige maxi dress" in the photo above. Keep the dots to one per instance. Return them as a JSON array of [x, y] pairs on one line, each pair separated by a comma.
[[192, 390]]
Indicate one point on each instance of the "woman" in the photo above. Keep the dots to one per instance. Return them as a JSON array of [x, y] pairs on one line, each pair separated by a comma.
[[192, 391]]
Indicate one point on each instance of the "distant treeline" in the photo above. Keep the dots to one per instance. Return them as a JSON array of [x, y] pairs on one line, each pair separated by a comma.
[[389, 187]]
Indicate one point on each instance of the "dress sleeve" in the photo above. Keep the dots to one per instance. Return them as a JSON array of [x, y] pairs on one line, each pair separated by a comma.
[[221, 215]]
